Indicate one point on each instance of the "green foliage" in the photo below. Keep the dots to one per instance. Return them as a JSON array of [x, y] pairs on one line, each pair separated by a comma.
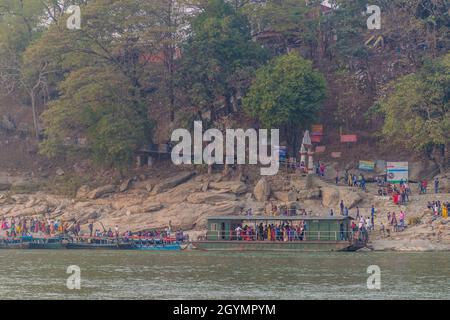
[[295, 21], [417, 111], [102, 81], [286, 91], [218, 57]]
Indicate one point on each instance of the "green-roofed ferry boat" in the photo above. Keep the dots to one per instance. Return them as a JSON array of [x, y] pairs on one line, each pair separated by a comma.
[[300, 233]]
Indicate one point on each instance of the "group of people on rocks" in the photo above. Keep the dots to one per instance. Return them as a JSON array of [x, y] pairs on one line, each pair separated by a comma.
[[401, 194], [398, 223], [439, 208], [423, 185], [353, 180]]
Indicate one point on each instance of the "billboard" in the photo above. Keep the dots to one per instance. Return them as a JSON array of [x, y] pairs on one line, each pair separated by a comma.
[[320, 149], [366, 165], [396, 171], [336, 154], [349, 138], [317, 130]]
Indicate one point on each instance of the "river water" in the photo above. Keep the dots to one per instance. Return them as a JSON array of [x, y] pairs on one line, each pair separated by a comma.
[[35, 274]]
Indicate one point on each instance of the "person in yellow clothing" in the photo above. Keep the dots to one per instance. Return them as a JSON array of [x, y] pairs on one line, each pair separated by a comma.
[[444, 211]]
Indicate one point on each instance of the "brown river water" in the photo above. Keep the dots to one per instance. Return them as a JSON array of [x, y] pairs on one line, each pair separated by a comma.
[[42, 274]]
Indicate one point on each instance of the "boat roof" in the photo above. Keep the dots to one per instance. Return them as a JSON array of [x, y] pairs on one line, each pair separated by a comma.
[[275, 218]]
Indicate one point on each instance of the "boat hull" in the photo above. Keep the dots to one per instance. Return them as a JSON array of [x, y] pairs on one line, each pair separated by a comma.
[[20, 245], [301, 246], [92, 246], [168, 247], [47, 246]]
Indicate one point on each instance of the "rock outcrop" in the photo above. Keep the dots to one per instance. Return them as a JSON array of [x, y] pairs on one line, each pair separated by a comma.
[[331, 197], [100, 192], [236, 187], [211, 197], [172, 182], [262, 190]]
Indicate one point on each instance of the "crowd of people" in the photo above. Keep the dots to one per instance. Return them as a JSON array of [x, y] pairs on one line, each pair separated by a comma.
[[286, 232], [20, 227], [440, 209], [271, 232], [29, 227], [353, 180]]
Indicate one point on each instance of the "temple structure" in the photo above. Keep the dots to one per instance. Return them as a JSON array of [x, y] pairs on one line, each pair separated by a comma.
[[307, 150]]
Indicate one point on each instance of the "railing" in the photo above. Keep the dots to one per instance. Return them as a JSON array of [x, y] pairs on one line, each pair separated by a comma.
[[351, 236]]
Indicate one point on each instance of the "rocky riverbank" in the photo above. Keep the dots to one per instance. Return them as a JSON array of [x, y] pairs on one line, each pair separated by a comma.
[[185, 199]]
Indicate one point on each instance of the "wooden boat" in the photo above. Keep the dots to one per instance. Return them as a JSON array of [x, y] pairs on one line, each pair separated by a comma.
[[150, 245], [47, 243], [92, 246], [158, 247], [16, 243], [321, 234]]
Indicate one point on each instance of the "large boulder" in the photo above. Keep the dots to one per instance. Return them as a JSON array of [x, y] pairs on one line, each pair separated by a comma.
[[178, 194], [262, 190], [332, 196], [100, 192], [351, 198], [82, 192], [236, 187], [172, 182], [285, 196], [310, 194], [145, 207], [211, 197], [125, 185]]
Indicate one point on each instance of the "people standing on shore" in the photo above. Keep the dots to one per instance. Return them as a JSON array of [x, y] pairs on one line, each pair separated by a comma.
[[91, 228], [372, 215], [436, 185]]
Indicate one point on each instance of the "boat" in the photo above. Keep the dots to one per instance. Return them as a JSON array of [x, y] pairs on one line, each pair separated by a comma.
[[47, 243], [150, 245], [331, 233], [93, 243], [15, 243]]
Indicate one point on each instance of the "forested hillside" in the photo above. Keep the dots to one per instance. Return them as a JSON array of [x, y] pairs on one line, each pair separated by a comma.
[[137, 69]]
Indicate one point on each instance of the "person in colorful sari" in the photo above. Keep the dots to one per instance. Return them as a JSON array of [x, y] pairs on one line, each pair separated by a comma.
[[444, 211]]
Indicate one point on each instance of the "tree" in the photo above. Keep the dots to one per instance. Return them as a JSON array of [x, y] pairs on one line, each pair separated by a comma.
[[287, 92], [417, 112], [219, 58], [20, 24], [106, 66]]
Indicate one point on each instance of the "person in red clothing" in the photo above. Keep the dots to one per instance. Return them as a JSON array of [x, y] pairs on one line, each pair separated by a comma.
[[395, 197]]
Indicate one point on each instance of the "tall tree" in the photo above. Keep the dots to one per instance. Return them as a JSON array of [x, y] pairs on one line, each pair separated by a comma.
[[417, 112], [106, 66], [218, 59], [287, 93]]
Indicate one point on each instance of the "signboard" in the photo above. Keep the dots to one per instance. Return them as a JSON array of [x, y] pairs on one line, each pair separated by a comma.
[[336, 154], [317, 130], [316, 139], [397, 171], [320, 149], [366, 165], [349, 138]]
